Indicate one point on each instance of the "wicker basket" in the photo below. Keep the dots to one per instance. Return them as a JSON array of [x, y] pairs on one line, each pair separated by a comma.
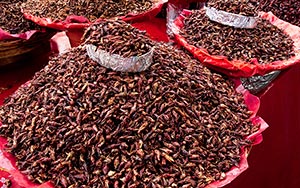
[[12, 51]]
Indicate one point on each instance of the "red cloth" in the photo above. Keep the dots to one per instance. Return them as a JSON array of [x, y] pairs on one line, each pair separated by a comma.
[[147, 25], [157, 31], [8, 161], [275, 163], [154, 27], [26, 35], [80, 22], [238, 68]]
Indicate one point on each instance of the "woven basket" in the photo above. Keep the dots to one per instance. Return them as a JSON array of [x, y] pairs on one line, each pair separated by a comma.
[[12, 51]]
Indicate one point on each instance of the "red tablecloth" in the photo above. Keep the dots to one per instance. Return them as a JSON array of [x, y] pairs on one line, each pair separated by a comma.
[[275, 163]]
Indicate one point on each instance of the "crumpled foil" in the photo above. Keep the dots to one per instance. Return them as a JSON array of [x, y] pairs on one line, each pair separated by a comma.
[[119, 63], [230, 19], [257, 84], [172, 12]]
